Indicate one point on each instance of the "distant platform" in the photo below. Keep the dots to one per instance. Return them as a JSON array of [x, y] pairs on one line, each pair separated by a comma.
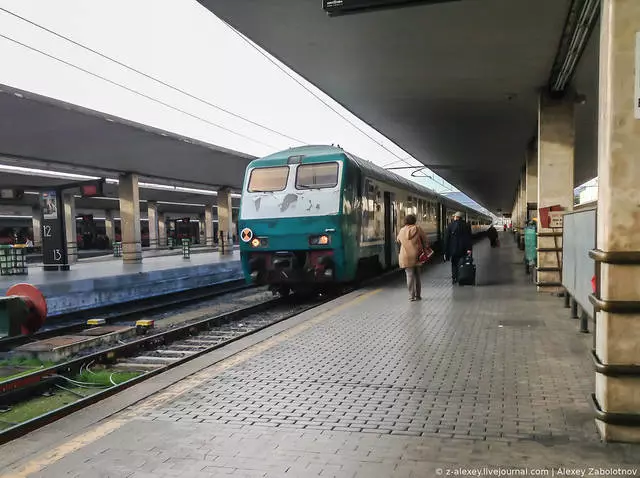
[[101, 283], [92, 255]]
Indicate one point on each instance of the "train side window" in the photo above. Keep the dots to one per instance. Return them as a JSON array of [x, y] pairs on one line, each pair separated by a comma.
[[317, 176], [268, 179]]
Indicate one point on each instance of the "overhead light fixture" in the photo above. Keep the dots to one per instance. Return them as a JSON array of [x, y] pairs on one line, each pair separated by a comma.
[[43, 172], [73, 176], [180, 204], [342, 7], [577, 38]]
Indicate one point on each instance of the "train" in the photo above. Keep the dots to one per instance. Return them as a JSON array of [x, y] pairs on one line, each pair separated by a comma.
[[318, 217]]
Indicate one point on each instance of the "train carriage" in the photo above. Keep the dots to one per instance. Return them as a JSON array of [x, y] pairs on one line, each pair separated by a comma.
[[317, 216]]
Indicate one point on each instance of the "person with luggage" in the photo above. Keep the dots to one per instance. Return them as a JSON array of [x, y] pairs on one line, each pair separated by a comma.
[[457, 243], [414, 247]]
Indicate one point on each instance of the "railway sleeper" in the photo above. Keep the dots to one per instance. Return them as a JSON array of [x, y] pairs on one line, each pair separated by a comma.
[[199, 342], [177, 353], [191, 347], [127, 365], [152, 359]]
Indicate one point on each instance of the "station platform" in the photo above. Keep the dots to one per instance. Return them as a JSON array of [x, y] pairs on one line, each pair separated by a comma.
[[96, 255], [91, 284], [470, 381]]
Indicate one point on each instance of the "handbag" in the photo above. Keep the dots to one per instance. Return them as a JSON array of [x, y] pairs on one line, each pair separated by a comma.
[[425, 253]]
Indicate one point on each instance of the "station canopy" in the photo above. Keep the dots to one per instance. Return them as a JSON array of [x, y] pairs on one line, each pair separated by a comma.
[[455, 84], [41, 132]]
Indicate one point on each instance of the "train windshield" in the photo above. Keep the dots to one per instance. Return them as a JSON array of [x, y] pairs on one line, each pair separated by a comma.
[[268, 179], [317, 176]]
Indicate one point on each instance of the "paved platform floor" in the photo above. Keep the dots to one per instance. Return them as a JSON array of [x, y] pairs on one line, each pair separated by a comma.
[[371, 385]]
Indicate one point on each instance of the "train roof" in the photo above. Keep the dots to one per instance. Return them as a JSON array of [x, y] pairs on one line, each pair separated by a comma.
[[370, 168]]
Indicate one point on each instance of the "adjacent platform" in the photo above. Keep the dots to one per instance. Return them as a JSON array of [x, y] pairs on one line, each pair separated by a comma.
[[96, 284], [370, 385]]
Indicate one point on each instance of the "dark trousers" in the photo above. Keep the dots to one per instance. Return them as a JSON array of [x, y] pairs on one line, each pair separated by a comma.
[[455, 260]]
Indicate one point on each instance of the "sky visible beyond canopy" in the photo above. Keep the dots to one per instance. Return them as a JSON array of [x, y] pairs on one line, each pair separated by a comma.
[[268, 106]]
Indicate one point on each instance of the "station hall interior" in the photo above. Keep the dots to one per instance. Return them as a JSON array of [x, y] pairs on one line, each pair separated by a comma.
[[524, 115]]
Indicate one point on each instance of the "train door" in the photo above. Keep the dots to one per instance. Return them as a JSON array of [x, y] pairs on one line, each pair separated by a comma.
[[440, 222], [390, 232]]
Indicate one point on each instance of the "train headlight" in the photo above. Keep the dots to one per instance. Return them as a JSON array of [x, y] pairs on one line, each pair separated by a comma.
[[259, 242], [322, 240]]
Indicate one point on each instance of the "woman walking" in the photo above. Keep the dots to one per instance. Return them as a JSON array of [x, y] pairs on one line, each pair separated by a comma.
[[413, 242]]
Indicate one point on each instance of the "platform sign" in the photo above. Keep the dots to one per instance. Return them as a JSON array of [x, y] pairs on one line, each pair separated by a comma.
[[556, 218], [54, 242], [636, 96], [341, 7], [11, 193]]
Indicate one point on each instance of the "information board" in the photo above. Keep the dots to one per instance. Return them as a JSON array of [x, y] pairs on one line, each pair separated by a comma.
[[54, 242], [339, 7], [556, 219]]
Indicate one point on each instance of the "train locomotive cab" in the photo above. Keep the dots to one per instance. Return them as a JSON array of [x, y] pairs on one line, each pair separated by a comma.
[[290, 220]]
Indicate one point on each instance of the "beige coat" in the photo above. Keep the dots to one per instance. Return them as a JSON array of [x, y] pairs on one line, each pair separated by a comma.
[[409, 239]]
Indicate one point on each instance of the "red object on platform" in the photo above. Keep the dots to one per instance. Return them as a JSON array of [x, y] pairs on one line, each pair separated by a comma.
[[545, 217], [36, 304], [593, 284]]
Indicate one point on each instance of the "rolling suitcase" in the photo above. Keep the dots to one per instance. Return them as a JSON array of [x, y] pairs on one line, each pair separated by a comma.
[[466, 271]]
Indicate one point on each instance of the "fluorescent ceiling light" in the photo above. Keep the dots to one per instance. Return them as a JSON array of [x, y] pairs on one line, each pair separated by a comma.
[[142, 185], [3, 216], [180, 204], [166, 187], [43, 172]]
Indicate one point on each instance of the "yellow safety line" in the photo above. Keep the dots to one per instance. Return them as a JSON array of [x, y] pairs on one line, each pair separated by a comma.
[[173, 392]]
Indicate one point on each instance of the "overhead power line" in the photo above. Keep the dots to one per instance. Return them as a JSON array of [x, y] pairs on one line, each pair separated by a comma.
[[131, 90], [147, 75], [284, 70]]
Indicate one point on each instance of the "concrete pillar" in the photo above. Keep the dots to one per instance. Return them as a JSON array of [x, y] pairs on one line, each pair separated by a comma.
[[152, 215], [618, 227], [201, 228], [225, 222], [130, 218], [556, 138], [110, 226], [69, 204], [208, 226], [36, 221], [162, 230], [532, 181]]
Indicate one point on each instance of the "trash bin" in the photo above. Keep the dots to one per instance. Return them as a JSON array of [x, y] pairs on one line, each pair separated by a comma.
[[170, 243], [530, 246], [186, 248], [117, 249], [13, 260]]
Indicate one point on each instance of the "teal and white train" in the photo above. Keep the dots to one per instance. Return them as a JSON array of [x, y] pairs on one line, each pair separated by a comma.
[[317, 216]]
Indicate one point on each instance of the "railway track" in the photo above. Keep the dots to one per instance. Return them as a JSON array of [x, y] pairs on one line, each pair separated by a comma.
[[150, 355], [76, 321]]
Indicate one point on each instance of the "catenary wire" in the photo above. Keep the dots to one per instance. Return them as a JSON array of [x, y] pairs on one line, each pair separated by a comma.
[[272, 61], [131, 90], [146, 75]]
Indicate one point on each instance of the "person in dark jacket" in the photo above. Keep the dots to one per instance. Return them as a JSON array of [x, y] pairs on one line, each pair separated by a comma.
[[492, 234], [457, 242]]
